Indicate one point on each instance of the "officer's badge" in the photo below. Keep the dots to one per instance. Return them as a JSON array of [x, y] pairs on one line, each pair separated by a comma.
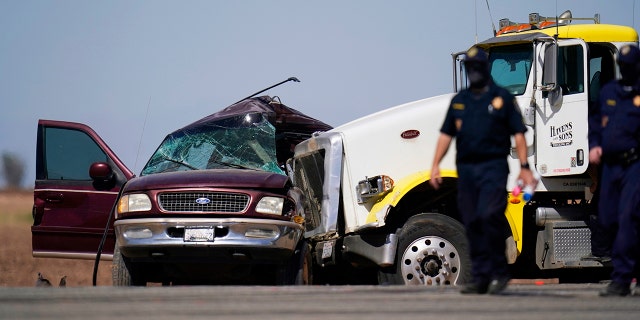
[[611, 102], [636, 101], [458, 106], [497, 103], [458, 124]]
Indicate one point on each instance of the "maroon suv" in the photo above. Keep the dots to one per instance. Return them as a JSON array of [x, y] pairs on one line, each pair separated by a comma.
[[212, 205]]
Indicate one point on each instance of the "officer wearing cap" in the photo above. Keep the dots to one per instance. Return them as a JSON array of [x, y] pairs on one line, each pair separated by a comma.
[[614, 141], [483, 118]]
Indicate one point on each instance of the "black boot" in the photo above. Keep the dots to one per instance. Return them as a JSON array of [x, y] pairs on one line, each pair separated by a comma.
[[475, 288], [498, 285], [615, 289]]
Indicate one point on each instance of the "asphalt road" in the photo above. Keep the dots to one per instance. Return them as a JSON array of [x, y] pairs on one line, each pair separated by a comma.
[[549, 301]]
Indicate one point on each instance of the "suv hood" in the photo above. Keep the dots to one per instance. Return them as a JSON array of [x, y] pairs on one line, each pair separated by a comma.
[[215, 178]]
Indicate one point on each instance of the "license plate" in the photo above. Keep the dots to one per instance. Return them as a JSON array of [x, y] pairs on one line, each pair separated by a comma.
[[198, 234], [327, 250]]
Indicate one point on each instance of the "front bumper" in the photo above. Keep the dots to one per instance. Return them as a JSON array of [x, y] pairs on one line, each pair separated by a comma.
[[235, 240]]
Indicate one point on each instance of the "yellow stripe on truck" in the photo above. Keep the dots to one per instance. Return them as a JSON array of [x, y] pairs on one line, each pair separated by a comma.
[[401, 187]]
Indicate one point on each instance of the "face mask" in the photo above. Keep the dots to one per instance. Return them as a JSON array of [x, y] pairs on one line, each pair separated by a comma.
[[629, 74], [478, 75]]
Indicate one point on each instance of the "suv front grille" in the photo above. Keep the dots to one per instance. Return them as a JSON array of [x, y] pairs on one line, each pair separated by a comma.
[[203, 202]]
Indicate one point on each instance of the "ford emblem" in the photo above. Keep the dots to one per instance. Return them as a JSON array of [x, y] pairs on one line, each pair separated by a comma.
[[203, 201]]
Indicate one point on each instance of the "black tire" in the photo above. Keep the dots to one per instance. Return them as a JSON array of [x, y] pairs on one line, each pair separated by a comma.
[[432, 250], [121, 273], [299, 270]]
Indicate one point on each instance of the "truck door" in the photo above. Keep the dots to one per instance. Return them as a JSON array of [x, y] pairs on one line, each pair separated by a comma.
[[562, 146], [70, 208]]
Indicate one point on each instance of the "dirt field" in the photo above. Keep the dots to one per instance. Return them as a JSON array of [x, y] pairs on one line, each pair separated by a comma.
[[18, 268]]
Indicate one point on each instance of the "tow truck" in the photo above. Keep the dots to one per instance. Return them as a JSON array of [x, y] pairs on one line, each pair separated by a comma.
[[370, 206]]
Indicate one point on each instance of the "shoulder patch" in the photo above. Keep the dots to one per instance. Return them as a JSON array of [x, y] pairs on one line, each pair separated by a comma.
[[458, 106], [611, 102]]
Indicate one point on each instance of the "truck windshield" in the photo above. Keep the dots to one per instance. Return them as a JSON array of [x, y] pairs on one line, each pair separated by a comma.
[[510, 66], [244, 141]]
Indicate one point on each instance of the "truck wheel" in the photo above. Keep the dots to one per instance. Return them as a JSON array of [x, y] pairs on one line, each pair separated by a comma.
[[299, 269], [121, 274], [432, 250]]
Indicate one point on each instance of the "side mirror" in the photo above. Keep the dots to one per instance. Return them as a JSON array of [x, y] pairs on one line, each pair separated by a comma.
[[555, 97], [550, 71], [101, 172]]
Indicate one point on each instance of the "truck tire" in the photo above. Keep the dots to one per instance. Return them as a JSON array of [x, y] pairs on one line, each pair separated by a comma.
[[120, 273], [299, 270], [432, 250]]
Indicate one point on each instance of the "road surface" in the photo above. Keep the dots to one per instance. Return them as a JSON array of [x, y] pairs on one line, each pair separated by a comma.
[[520, 302]]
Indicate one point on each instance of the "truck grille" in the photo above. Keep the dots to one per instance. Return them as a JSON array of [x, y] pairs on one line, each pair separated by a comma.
[[203, 202]]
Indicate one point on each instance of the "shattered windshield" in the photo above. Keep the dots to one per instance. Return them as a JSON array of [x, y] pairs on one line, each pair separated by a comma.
[[245, 141], [510, 66]]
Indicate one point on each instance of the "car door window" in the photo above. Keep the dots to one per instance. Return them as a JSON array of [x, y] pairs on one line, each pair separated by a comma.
[[69, 153]]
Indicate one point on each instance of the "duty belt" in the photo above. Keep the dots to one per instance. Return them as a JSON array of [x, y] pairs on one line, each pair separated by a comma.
[[477, 158], [623, 158]]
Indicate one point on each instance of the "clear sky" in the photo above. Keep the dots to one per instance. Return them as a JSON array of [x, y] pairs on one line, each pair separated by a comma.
[[113, 64]]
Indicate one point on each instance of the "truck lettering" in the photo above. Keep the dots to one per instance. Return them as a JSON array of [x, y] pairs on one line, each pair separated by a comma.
[[562, 135]]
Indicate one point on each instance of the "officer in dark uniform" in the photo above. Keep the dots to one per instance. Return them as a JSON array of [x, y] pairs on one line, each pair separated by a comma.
[[614, 141], [483, 118], [601, 238]]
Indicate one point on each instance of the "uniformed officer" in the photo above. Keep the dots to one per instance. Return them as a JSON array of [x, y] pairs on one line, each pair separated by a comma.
[[614, 141], [483, 118]]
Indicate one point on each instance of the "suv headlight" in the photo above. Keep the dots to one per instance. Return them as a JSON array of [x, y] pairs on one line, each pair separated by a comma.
[[134, 203], [270, 205]]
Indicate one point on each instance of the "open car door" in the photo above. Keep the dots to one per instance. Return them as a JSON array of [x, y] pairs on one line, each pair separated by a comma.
[[77, 182]]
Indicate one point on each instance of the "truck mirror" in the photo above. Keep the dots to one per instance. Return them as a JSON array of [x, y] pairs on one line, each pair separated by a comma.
[[555, 97], [549, 73], [458, 73]]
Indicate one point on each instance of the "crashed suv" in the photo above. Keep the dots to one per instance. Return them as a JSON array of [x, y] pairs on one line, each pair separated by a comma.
[[213, 204]]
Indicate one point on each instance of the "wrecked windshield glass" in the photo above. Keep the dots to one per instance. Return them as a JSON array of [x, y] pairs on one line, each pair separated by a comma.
[[245, 141]]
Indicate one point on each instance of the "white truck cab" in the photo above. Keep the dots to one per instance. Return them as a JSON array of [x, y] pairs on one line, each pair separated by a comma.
[[370, 205]]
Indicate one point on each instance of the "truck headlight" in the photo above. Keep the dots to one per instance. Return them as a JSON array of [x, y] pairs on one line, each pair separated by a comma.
[[270, 205], [134, 203]]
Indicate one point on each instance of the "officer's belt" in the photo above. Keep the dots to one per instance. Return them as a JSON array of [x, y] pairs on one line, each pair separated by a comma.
[[623, 158], [476, 158]]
